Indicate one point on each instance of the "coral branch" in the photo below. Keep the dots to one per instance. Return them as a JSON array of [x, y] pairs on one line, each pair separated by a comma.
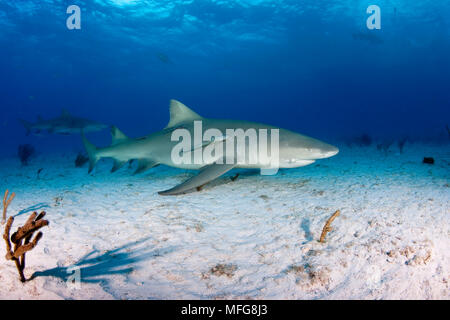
[[6, 203], [27, 247], [30, 226], [9, 253], [21, 239], [327, 227], [6, 236]]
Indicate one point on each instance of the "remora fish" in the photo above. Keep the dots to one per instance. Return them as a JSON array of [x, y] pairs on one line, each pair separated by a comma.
[[295, 150], [64, 124]]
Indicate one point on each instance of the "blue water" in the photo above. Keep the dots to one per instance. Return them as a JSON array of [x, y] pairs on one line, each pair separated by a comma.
[[310, 66]]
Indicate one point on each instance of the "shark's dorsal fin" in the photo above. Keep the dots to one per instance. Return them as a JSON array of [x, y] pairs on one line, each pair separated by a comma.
[[145, 164], [117, 136], [65, 113], [179, 113]]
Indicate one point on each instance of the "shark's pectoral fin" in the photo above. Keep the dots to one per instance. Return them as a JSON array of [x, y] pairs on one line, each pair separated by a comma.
[[207, 174], [117, 165], [144, 165]]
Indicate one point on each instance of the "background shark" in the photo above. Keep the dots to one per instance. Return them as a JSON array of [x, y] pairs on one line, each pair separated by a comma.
[[65, 124], [295, 150]]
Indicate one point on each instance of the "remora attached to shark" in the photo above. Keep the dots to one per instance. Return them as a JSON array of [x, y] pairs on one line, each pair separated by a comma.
[[64, 124], [295, 150]]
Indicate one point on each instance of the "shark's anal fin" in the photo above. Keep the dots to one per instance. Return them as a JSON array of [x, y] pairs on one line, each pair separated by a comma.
[[144, 165], [117, 165], [207, 174]]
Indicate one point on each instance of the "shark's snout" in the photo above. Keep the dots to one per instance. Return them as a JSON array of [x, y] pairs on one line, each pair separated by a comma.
[[332, 151], [325, 151]]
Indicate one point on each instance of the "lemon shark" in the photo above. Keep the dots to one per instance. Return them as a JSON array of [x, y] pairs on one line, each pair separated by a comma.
[[164, 147], [64, 124]]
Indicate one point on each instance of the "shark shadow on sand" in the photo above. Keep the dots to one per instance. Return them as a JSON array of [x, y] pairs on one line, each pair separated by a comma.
[[95, 266], [306, 227]]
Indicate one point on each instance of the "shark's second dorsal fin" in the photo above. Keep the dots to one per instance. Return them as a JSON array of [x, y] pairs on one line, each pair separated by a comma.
[[65, 113], [179, 113], [117, 136]]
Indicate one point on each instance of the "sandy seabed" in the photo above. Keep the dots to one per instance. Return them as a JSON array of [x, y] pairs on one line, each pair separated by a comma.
[[256, 237]]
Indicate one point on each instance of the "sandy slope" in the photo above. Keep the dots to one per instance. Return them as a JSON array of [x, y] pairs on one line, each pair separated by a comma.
[[391, 240]]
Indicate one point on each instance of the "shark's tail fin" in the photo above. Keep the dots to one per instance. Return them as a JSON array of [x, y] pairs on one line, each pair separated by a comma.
[[91, 151], [27, 126]]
